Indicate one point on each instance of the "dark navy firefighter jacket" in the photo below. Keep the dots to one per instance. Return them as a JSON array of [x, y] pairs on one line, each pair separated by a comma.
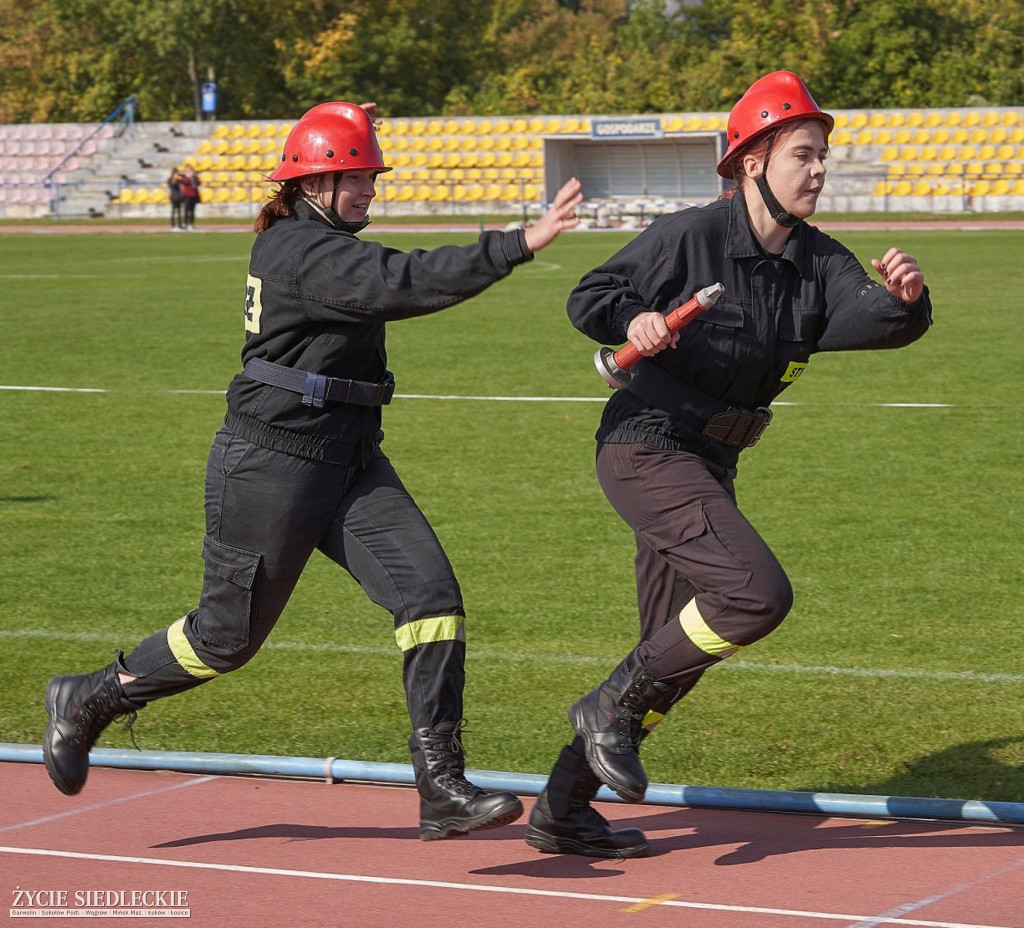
[[740, 354], [317, 299]]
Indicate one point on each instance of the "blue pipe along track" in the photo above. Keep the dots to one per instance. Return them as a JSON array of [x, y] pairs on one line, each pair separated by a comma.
[[336, 770]]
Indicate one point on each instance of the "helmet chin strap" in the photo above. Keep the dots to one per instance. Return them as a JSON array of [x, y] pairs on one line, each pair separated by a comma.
[[775, 209], [781, 216], [328, 214]]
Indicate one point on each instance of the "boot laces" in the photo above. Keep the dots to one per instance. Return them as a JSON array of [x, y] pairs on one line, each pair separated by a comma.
[[445, 756], [98, 712], [445, 745]]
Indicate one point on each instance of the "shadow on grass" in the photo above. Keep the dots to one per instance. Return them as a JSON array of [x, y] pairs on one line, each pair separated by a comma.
[[973, 770]]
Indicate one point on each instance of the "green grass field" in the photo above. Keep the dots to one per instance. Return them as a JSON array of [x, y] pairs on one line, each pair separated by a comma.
[[899, 670]]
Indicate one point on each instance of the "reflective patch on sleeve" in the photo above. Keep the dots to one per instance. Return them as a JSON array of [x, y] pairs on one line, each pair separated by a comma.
[[253, 303], [185, 654], [795, 369], [425, 631], [700, 633]]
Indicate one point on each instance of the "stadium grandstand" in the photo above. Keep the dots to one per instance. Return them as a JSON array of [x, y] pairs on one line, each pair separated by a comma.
[[633, 167]]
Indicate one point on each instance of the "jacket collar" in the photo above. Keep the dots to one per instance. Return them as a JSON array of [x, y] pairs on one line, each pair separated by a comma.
[[740, 241]]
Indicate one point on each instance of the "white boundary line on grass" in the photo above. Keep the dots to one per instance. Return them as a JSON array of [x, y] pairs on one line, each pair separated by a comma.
[[449, 396], [966, 676], [488, 888]]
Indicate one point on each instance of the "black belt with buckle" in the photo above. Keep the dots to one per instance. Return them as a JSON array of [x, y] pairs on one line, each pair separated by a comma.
[[316, 389], [737, 428]]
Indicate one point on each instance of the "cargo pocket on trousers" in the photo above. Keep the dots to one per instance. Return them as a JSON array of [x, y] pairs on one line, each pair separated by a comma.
[[676, 528], [226, 603]]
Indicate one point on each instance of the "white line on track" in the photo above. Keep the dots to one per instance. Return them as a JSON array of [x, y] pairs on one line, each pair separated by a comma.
[[734, 664], [450, 396], [888, 918], [46, 819], [477, 887]]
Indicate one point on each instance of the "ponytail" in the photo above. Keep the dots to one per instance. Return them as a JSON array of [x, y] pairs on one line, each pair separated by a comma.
[[280, 205]]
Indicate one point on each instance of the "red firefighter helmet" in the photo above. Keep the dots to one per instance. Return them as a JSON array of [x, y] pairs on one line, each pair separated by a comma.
[[771, 101], [330, 137]]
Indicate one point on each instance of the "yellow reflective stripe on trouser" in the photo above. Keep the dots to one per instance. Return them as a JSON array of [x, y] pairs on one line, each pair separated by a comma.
[[185, 654], [652, 719], [425, 631], [698, 631]]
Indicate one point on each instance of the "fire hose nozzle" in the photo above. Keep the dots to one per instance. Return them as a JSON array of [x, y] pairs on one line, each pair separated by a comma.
[[614, 366]]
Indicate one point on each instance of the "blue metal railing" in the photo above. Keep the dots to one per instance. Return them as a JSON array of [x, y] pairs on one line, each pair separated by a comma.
[[122, 116]]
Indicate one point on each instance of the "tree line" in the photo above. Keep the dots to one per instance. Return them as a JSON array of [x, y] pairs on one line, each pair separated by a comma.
[[76, 60]]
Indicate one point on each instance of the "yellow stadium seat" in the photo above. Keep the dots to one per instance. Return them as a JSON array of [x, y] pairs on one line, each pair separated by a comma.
[[1000, 188], [933, 119], [220, 131], [981, 188], [897, 119], [1018, 187], [883, 188], [953, 118], [903, 188], [922, 188]]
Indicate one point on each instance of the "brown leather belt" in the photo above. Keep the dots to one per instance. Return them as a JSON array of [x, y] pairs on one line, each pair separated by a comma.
[[737, 428]]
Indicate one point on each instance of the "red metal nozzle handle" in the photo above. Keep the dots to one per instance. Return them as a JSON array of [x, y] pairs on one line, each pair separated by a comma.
[[614, 366]]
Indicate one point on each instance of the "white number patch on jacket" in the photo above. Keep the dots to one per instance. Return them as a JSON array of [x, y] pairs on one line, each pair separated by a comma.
[[253, 306]]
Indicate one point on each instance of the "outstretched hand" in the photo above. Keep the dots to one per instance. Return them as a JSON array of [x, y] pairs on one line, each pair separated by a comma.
[[902, 275], [372, 112], [561, 215]]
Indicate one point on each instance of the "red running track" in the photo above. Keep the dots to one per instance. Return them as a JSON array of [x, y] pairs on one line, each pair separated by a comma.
[[259, 852]]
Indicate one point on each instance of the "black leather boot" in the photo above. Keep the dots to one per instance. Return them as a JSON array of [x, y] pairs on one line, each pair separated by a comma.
[[564, 822], [80, 707], [449, 804], [610, 718]]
